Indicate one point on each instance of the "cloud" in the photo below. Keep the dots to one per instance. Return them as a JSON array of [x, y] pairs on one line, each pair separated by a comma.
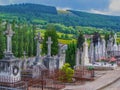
[[112, 9], [99, 12], [6, 2], [64, 9], [109, 7], [114, 6]]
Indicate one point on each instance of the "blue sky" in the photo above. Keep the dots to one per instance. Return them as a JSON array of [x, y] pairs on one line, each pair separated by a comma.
[[94, 6]]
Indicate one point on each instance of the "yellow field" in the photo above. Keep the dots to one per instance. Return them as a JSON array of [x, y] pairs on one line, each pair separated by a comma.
[[62, 41], [66, 41]]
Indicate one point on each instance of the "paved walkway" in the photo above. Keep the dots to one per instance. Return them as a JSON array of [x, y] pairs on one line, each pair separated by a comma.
[[98, 84], [114, 86]]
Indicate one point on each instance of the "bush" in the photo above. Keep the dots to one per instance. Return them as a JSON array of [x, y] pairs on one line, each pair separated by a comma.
[[68, 73]]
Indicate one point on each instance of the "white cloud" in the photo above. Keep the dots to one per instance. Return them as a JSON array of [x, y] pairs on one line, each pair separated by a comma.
[[113, 9], [64, 9], [99, 12], [114, 6]]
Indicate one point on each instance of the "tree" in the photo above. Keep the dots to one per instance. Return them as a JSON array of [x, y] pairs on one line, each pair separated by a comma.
[[34, 41], [30, 46], [51, 32], [70, 54], [2, 41], [106, 38], [20, 41], [80, 40]]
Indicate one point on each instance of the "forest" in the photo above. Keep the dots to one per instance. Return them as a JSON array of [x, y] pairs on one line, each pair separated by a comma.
[[41, 15]]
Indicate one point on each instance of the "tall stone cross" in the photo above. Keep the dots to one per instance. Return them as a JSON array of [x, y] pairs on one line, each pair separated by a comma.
[[115, 37], [59, 53], [24, 53], [9, 33], [39, 41], [49, 42]]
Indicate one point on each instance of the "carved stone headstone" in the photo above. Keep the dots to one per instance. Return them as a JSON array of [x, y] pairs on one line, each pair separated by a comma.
[[103, 48], [85, 59], [10, 65], [9, 33], [39, 40], [24, 66], [91, 51], [115, 47], [49, 42], [77, 57]]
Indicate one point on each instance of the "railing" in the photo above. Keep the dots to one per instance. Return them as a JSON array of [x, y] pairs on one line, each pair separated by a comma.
[[84, 75], [12, 83]]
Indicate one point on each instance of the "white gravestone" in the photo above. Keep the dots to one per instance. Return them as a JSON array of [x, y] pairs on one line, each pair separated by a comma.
[[85, 59]]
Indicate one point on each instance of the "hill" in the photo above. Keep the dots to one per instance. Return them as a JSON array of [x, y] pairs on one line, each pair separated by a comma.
[[28, 9], [40, 14]]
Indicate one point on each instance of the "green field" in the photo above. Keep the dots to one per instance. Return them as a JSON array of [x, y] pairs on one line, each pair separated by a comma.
[[63, 41]]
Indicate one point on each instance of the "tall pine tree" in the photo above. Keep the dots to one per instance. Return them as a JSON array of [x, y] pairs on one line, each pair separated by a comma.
[[51, 32], [70, 54], [2, 40]]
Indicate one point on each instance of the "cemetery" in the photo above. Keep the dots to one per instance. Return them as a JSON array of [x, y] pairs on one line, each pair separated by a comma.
[[47, 72]]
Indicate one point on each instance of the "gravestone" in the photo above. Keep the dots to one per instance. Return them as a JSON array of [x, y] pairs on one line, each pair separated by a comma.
[[9, 66], [49, 42], [115, 47], [85, 59], [77, 57], [24, 63], [103, 48], [110, 44], [96, 39], [48, 60], [61, 56], [91, 51], [39, 40]]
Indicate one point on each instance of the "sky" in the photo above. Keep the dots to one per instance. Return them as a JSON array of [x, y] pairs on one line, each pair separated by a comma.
[[108, 7]]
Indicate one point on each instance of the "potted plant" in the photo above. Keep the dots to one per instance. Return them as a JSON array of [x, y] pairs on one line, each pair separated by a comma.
[[91, 68]]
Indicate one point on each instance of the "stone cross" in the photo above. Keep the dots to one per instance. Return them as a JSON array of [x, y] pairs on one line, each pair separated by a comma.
[[24, 53], [49, 42], [77, 57], [39, 40], [103, 48], [91, 51], [25, 63], [9, 33], [59, 50], [115, 37]]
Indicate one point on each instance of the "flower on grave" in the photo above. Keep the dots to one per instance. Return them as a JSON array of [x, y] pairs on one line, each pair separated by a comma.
[[112, 60], [90, 68], [103, 59]]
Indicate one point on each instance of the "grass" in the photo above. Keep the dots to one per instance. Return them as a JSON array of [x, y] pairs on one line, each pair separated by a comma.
[[42, 31]]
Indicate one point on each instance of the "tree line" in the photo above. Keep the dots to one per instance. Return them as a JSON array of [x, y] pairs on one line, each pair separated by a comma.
[[22, 40]]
